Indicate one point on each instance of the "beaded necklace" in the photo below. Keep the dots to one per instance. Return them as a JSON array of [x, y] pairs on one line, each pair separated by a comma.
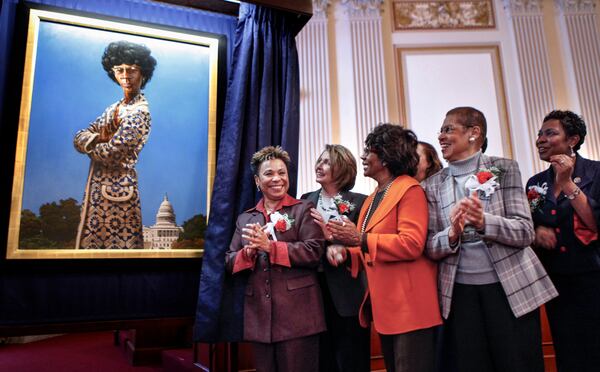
[[368, 215]]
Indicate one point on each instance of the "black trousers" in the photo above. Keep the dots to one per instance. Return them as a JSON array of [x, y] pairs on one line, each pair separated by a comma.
[[409, 352], [296, 355], [484, 335], [574, 318], [345, 346]]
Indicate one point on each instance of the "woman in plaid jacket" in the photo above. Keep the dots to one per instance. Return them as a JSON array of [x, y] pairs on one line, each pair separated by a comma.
[[490, 282]]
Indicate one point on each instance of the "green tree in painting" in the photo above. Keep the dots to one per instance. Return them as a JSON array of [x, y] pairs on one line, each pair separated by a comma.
[[192, 236], [31, 226], [56, 226], [60, 221]]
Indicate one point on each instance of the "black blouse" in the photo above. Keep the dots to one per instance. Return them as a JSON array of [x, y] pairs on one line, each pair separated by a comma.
[[570, 255]]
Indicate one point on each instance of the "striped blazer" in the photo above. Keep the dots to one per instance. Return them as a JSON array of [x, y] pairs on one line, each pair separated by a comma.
[[508, 233]]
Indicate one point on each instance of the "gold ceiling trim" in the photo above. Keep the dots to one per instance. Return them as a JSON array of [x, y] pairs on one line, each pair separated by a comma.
[[443, 15]]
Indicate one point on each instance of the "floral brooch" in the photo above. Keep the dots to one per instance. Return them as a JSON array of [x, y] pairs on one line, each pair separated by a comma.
[[343, 206], [281, 222], [536, 194], [484, 181]]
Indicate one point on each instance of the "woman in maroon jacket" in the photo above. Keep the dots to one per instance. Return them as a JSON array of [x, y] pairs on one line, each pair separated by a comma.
[[280, 246]]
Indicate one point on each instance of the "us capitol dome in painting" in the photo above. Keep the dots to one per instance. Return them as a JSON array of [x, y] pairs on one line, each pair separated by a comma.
[[165, 232]]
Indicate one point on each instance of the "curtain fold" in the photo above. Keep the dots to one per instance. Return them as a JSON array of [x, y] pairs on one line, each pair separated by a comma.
[[261, 108]]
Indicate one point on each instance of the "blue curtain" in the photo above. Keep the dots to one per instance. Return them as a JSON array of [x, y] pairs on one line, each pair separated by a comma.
[[261, 109]]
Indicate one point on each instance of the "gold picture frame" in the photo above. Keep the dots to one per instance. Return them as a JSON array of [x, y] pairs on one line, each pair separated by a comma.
[[65, 87]]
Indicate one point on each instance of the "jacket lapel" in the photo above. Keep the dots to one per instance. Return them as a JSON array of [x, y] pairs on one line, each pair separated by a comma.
[[485, 163], [314, 196], [394, 194], [582, 174], [446, 195]]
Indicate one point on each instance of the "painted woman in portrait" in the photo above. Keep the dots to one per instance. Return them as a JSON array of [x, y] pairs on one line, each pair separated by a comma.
[[111, 216]]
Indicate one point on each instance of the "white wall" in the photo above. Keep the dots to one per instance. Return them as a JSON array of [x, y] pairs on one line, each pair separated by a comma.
[[419, 75]]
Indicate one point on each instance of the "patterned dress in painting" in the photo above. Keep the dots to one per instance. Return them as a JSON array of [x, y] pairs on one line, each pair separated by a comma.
[[111, 216]]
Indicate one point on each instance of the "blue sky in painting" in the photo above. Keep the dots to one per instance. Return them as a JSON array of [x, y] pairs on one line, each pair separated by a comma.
[[71, 90]]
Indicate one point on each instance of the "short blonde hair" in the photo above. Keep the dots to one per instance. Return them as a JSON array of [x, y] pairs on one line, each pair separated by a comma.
[[269, 153]]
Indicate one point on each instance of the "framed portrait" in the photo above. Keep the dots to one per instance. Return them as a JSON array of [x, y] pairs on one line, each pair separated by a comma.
[[103, 170]]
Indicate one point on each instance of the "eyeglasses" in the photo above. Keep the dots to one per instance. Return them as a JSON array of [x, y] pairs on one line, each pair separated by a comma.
[[449, 129], [122, 70]]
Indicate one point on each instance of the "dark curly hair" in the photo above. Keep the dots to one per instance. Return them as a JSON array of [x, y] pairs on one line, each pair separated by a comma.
[[125, 52], [572, 124], [471, 117], [396, 147]]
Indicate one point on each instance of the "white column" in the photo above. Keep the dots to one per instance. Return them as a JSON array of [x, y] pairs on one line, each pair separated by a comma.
[[361, 76], [580, 24], [530, 39], [315, 94]]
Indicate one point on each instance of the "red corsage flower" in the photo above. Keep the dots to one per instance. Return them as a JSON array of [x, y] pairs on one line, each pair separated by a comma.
[[484, 182], [343, 206], [532, 194], [280, 222], [536, 194], [281, 225], [484, 176]]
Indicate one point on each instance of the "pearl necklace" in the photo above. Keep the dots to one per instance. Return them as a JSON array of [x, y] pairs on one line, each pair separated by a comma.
[[368, 215]]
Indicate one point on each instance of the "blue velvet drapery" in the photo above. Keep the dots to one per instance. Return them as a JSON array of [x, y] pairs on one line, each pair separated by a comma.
[[261, 109]]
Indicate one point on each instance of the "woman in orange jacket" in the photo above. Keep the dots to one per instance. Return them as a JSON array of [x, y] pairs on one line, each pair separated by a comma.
[[388, 244]]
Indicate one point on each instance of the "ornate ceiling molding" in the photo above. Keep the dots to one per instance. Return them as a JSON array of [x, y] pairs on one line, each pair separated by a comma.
[[320, 8], [443, 14], [363, 7], [569, 7], [523, 7]]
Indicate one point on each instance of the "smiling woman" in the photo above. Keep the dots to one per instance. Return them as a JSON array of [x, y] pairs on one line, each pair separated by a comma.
[[345, 345], [565, 204], [279, 247], [387, 243], [480, 230]]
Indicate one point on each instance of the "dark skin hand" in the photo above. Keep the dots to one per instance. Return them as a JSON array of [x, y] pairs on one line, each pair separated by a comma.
[[473, 208], [344, 231], [457, 223], [106, 134], [257, 238], [545, 237]]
